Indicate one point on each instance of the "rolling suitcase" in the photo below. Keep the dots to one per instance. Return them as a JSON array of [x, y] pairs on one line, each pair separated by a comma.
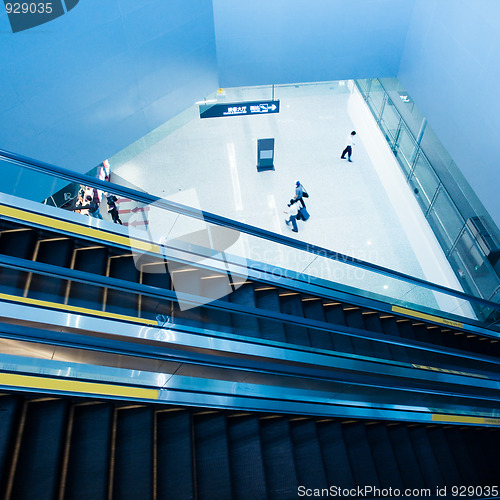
[[304, 214]]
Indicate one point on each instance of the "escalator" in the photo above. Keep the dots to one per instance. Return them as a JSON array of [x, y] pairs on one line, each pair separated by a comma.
[[275, 390], [358, 327], [80, 449]]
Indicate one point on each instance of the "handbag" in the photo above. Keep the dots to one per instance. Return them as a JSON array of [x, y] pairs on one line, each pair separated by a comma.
[[305, 194]]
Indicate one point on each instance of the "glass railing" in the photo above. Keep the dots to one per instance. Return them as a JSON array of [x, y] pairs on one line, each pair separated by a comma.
[[231, 245], [466, 234]]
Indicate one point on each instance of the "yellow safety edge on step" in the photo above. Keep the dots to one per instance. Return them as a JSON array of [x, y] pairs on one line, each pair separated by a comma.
[[75, 309], [53, 384], [430, 317], [465, 420], [444, 370], [71, 227]]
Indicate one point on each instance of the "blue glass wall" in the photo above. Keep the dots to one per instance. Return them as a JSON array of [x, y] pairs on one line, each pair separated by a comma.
[[84, 86]]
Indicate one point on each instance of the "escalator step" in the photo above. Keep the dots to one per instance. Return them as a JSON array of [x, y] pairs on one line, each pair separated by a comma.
[[189, 317], [297, 335], [154, 272], [9, 406], [422, 334], [383, 456], [117, 301], [88, 464], [270, 330], [18, 243], [472, 438], [400, 353], [466, 465], [444, 456], [380, 350], [13, 281], [56, 252], [215, 319], [405, 456], [47, 288], [406, 330], [492, 445], [335, 315], [281, 477], [425, 457], [335, 457], [314, 310], [354, 319], [212, 285], [175, 456], [360, 456], [244, 324], [245, 453], [92, 260], [133, 460], [123, 268], [152, 307], [390, 326], [212, 457], [307, 453], [207, 284], [40, 455]]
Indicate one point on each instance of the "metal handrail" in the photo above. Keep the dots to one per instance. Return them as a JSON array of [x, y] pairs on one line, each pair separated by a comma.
[[419, 148]]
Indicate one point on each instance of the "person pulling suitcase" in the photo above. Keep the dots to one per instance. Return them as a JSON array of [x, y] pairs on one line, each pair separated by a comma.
[[292, 211]]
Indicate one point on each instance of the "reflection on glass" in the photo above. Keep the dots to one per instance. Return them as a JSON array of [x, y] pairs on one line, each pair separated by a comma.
[[390, 122], [376, 98], [424, 182], [28, 184], [445, 213], [406, 150]]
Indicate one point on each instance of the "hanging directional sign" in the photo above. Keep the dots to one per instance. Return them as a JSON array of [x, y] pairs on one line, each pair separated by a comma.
[[239, 108]]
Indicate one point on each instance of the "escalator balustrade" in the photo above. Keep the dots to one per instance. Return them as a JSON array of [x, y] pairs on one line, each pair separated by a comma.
[[106, 259]]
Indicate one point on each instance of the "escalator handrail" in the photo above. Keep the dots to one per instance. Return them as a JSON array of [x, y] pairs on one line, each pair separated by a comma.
[[264, 367], [228, 307], [219, 220]]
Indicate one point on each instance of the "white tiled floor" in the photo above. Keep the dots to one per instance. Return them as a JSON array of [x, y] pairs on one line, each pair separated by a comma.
[[363, 209]]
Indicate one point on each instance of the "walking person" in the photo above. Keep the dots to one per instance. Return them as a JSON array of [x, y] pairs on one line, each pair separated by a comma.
[[349, 145], [292, 211], [300, 193], [111, 200], [88, 207], [93, 207]]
